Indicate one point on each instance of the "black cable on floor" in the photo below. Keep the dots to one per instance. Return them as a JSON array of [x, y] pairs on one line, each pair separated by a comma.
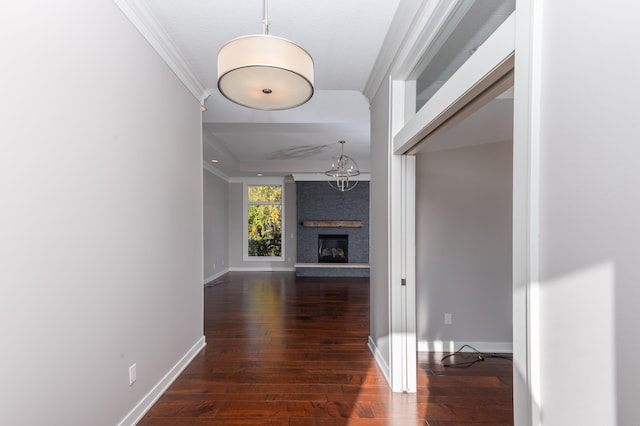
[[479, 356]]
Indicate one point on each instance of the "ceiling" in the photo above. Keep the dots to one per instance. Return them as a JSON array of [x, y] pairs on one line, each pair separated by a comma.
[[343, 37]]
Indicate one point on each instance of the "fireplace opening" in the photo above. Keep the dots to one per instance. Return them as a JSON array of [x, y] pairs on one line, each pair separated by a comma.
[[333, 248]]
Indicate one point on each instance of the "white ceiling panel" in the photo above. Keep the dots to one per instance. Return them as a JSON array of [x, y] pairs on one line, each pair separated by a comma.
[[344, 37]]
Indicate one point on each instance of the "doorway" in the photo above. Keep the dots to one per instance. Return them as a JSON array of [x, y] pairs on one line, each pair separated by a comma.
[[464, 198], [485, 77]]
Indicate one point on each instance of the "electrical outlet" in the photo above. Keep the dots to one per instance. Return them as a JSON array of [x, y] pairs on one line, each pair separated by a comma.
[[214, 266], [448, 320], [132, 374]]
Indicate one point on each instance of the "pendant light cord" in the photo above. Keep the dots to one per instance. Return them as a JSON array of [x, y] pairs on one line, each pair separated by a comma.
[[265, 18]]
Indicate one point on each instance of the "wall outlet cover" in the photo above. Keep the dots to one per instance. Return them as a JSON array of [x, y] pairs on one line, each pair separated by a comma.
[[132, 374]]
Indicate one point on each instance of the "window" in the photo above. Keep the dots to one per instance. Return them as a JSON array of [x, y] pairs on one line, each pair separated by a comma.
[[468, 27], [264, 221]]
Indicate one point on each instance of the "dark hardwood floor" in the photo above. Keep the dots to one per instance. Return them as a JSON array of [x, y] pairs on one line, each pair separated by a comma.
[[283, 350]]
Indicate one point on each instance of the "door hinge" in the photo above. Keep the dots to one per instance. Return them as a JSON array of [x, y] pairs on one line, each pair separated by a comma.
[[403, 282]]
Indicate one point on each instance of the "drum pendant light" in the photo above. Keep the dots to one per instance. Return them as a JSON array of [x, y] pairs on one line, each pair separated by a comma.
[[265, 72]]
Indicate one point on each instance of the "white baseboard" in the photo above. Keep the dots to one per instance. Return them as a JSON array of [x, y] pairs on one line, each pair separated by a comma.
[[156, 392], [452, 346], [215, 276], [382, 363], [262, 269]]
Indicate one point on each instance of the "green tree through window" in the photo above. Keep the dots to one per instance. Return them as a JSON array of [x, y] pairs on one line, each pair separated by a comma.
[[264, 220]]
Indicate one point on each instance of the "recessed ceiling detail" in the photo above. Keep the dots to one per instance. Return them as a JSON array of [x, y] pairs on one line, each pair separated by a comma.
[[297, 152], [343, 37]]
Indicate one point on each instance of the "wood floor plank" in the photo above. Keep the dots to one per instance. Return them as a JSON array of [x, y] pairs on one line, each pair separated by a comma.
[[294, 351]]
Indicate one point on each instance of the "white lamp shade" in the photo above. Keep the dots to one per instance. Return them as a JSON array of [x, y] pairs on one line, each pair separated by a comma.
[[265, 72]]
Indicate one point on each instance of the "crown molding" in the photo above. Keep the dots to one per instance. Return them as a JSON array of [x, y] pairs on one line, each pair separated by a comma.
[[254, 180], [431, 27], [208, 167], [414, 28], [407, 10], [479, 80], [142, 18], [315, 177]]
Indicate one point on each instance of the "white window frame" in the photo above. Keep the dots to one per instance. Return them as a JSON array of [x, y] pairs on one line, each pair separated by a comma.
[[245, 213]]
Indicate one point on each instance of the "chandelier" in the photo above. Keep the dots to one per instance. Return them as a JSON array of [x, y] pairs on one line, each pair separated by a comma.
[[343, 175], [265, 72]]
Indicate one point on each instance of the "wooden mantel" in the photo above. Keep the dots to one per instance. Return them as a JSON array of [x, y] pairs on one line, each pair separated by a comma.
[[332, 223]]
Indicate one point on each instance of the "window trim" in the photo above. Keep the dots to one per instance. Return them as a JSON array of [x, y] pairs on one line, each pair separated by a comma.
[[245, 219]]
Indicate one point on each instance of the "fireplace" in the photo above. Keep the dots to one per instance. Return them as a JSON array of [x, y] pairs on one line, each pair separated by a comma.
[[333, 248]]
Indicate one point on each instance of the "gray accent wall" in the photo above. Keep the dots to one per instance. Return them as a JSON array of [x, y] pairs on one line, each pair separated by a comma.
[[318, 201]]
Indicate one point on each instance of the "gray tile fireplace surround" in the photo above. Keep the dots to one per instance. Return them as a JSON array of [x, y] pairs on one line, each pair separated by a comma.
[[317, 201]]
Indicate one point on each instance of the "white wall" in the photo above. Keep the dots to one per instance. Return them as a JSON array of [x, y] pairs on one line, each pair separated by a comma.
[[216, 235], [463, 247], [379, 218], [236, 229], [101, 218], [589, 210]]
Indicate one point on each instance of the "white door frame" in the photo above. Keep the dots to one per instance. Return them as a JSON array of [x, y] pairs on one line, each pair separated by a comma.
[[402, 286], [486, 74], [526, 205]]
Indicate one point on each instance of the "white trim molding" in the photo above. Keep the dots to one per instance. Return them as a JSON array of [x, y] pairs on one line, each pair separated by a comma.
[[382, 363], [488, 70], [262, 269], [136, 414], [208, 167], [391, 45], [215, 276], [142, 18], [333, 265], [321, 177], [416, 27], [526, 213], [450, 346], [251, 180]]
